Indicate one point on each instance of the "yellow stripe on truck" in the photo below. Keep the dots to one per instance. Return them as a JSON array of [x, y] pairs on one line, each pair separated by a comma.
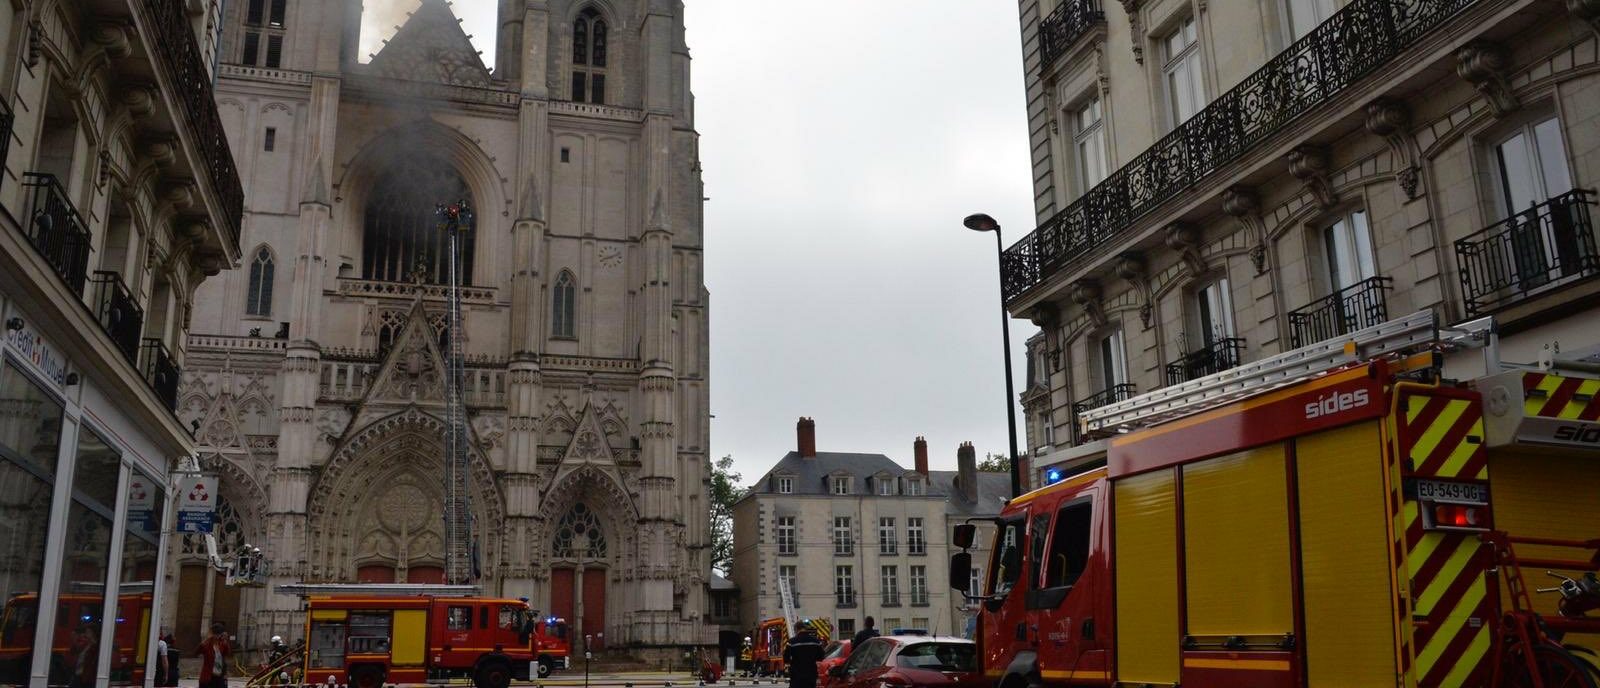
[[1250, 664], [1344, 554], [1236, 538], [1147, 584]]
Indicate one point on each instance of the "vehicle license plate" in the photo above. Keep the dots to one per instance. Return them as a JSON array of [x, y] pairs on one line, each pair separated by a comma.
[[1455, 492]]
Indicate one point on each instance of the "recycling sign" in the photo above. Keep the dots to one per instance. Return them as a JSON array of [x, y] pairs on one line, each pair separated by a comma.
[[141, 503], [197, 501]]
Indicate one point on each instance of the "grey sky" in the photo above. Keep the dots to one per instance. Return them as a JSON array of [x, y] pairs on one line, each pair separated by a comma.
[[843, 141]]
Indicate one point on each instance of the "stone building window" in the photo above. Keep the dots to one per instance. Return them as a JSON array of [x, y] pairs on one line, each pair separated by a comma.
[[589, 57], [916, 543], [259, 299], [1182, 82], [264, 32], [563, 307], [401, 238], [786, 535]]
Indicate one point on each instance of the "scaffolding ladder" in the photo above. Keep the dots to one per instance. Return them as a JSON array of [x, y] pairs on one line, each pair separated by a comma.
[[1413, 333]]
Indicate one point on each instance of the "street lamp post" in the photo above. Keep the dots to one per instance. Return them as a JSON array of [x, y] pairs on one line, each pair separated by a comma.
[[981, 222]]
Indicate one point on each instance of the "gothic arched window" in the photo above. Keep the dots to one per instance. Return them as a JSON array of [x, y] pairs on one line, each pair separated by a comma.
[[258, 301], [564, 306], [401, 237], [579, 527], [589, 35]]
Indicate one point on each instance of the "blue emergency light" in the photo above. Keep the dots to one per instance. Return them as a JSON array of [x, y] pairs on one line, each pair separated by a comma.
[[1052, 476]]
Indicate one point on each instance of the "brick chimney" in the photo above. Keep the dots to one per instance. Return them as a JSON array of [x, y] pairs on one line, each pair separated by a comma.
[[919, 449], [1025, 469], [806, 437], [967, 472]]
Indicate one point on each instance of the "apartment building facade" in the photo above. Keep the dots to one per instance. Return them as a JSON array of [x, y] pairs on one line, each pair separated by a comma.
[[119, 196], [856, 535], [1218, 182]]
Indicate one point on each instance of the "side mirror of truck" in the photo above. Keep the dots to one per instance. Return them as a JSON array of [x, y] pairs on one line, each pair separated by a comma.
[[964, 535], [960, 569]]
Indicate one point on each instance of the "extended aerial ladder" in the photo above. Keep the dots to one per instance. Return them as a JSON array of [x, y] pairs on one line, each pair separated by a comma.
[[1418, 333], [455, 220]]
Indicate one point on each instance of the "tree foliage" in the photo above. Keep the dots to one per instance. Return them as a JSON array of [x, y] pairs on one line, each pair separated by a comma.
[[995, 463], [725, 491]]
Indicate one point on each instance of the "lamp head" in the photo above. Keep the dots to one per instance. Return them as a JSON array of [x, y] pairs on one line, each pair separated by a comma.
[[981, 222]]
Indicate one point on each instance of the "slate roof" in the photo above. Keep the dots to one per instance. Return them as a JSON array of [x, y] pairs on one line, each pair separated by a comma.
[[811, 473], [993, 490], [720, 584]]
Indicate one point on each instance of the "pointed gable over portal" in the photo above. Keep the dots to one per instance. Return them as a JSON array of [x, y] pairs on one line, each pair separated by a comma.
[[588, 440], [413, 371], [431, 46]]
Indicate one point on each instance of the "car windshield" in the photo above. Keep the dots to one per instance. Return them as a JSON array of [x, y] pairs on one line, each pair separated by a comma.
[[939, 657], [836, 650]]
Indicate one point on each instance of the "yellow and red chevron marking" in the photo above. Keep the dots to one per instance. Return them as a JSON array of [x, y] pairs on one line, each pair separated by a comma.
[[1451, 611], [1442, 437], [1554, 396]]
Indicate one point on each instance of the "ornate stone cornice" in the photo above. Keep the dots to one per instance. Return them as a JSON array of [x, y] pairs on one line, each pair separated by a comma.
[[1484, 65], [1391, 119], [1309, 163], [1242, 204]]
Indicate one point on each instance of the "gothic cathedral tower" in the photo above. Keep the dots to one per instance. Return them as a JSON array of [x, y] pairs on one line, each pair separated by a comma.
[[314, 382]]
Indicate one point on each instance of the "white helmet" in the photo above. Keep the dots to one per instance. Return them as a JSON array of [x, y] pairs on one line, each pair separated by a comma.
[[277, 640]]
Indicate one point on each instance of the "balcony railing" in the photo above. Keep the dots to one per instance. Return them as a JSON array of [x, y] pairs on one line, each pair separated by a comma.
[[919, 597], [1219, 355], [55, 229], [160, 371], [1350, 45], [181, 59], [119, 314], [1549, 244], [845, 598], [1065, 26], [890, 599], [1357, 306], [1110, 395]]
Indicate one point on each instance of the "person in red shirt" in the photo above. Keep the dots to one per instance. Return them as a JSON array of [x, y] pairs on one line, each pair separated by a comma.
[[214, 653]]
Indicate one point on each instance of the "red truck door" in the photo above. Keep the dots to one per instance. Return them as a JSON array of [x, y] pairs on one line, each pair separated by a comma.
[[1069, 599], [455, 633], [1005, 632]]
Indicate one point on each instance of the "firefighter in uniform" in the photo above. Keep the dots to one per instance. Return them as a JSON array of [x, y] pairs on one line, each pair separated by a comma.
[[802, 655]]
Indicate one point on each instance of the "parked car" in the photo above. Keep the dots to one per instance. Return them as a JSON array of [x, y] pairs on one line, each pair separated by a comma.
[[838, 651], [911, 661]]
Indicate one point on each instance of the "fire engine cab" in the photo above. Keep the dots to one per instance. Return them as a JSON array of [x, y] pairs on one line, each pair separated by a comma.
[[367, 640], [1336, 515], [550, 645]]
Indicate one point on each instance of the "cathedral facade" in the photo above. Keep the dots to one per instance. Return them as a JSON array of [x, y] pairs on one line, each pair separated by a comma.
[[314, 378]]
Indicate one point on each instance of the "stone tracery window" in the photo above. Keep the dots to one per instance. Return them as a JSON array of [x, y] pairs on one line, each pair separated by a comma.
[[564, 306], [259, 299], [581, 526], [401, 238]]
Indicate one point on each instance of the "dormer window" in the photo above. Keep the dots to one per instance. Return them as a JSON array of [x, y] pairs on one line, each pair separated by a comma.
[[913, 487], [589, 57], [785, 484], [841, 484], [885, 487]]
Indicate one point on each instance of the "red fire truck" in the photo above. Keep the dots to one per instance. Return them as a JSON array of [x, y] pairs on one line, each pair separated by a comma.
[[130, 639], [370, 640], [1319, 518], [550, 645]]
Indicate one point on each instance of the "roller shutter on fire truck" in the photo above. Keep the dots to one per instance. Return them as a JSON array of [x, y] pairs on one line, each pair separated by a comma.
[[1147, 592], [1346, 576]]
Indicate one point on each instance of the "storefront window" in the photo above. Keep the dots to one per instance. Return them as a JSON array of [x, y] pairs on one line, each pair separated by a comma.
[[87, 560], [140, 545], [30, 431]]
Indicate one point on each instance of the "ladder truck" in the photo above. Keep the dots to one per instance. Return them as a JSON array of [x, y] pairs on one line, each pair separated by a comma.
[[1336, 515], [455, 220]]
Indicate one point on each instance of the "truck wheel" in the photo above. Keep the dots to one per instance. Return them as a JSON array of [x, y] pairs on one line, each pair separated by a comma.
[[493, 675], [545, 667], [366, 677]]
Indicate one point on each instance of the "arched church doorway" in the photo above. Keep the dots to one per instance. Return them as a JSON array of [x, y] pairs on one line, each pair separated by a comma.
[[578, 576]]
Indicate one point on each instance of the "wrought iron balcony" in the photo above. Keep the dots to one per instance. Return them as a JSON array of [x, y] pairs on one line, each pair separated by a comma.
[[1354, 42], [161, 371], [1357, 306], [1065, 26], [55, 229], [181, 59], [890, 599], [1110, 395], [1218, 355], [119, 314], [1546, 245]]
